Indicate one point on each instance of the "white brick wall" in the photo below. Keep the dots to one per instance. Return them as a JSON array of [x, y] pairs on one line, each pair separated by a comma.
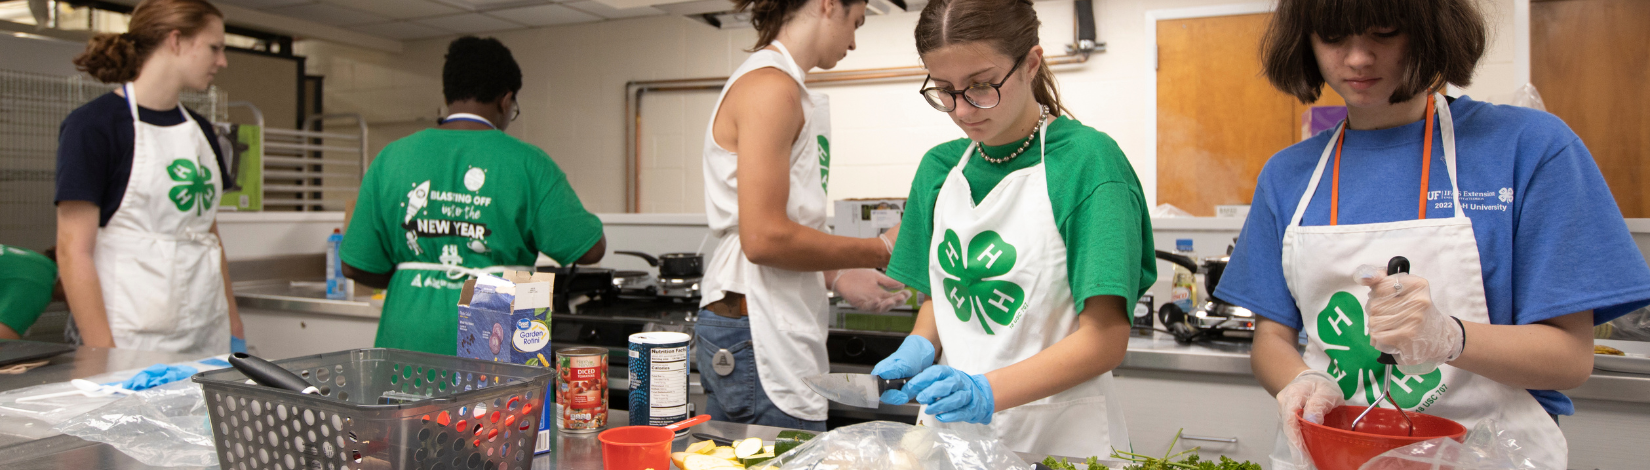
[[573, 99]]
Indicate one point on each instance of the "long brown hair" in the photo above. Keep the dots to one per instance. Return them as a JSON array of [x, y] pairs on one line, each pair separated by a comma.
[[116, 58], [1446, 39], [1008, 26], [769, 16]]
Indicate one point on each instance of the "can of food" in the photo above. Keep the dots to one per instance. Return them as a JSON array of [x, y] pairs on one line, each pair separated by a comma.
[[581, 389], [658, 378]]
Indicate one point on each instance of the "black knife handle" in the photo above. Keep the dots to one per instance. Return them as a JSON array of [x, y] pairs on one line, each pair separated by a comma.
[[1397, 264], [719, 440], [268, 374], [884, 385]]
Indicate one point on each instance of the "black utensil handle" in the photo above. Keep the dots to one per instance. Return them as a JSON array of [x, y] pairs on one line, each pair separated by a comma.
[[268, 374], [1397, 264], [891, 384], [718, 440], [651, 261]]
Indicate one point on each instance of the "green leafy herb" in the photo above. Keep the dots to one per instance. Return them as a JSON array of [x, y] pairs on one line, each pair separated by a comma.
[[1169, 461]]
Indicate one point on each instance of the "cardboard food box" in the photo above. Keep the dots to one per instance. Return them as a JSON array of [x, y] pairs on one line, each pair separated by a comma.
[[507, 319], [866, 218]]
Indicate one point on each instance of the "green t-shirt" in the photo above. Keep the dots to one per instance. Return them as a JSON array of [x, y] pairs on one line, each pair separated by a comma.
[[473, 198], [1099, 209], [26, 280]]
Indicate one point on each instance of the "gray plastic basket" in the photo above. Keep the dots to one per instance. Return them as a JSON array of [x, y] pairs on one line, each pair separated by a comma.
[[380, 409]]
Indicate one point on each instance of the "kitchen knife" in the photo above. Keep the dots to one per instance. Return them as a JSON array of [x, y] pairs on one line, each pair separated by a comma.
[[861, 390], [270, 375]]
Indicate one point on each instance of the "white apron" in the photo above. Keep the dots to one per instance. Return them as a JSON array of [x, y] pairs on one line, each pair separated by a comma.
[[1002, 264], [1318, 263], [788, 309], [157, 259]]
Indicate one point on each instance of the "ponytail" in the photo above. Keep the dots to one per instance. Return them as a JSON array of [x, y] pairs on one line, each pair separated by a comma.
[[110, 58], [770, 16], [1044, 90], [117, 58]]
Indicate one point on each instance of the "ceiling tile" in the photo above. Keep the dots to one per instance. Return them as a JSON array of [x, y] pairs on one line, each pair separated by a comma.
[[265, 4], [693, 7], [469, 23], [604, 11], [545, 15], [329, 14], [402, 30], [399, 9]]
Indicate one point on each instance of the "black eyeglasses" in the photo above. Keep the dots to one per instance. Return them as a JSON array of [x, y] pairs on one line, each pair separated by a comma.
[[980, 95], [515, 109]]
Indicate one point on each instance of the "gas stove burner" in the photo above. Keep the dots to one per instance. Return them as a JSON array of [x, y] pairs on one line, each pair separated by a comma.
[[686, 288]]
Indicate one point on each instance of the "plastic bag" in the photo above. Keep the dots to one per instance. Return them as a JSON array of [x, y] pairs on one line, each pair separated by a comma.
[[165, 426], [1633, 326], [34, 418], [1526, 96], [1485, 448], [887, 445]]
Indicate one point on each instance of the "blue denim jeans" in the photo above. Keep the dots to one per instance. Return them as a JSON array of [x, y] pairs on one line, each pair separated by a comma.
[[737, 397]]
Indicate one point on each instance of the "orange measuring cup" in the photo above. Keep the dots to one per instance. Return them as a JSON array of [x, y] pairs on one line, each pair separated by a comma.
[[641, 447]]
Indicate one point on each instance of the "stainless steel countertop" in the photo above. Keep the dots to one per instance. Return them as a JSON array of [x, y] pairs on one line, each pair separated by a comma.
[[1158, 351], [58, 452]]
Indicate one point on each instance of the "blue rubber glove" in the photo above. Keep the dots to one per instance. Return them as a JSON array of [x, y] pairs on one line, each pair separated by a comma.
[[953, 395], [155, 375], [914, 355], [237, 344]]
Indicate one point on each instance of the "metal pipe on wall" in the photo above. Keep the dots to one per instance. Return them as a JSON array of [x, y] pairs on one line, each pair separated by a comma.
[[634, 90]]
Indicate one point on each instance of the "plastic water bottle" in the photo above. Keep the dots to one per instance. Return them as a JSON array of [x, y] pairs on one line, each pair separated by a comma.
[[336, 288], [1184, 291]]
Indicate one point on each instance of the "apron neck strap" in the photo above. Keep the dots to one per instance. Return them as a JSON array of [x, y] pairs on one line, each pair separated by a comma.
[[1436, 105], [468, 117], [131, 104]]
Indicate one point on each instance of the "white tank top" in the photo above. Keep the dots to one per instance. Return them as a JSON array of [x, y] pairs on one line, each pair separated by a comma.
[[788, 309]]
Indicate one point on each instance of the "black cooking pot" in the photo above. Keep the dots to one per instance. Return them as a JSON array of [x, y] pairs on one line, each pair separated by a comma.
[[1211, 268], [672, 265]]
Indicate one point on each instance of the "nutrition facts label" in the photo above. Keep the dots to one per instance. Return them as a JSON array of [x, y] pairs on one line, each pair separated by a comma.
[[669, 384]]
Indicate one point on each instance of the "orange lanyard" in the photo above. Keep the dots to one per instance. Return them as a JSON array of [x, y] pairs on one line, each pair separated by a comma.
[[1426, 167]]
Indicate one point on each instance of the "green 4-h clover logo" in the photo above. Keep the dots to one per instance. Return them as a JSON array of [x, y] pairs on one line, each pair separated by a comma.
[[824, 162], [966, 284], [194, 189], [1353, 362]]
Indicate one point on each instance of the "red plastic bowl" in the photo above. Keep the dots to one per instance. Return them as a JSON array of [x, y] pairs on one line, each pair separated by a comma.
[[1333, 447]]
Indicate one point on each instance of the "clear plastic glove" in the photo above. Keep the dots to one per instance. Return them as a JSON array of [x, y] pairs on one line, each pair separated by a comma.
[[868, 290], [914, 355], [1311, 394], [953, 395], [1403, 321]]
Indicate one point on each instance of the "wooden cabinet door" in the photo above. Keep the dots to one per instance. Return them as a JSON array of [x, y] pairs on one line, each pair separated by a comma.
[[1588, 59], [1218, 119]]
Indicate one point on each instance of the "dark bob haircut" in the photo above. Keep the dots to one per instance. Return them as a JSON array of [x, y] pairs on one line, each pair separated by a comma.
[[479, 69], [1446, 38]]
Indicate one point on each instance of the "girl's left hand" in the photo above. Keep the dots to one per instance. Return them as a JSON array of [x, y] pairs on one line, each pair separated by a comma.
[[1404, 322], [953, 395]]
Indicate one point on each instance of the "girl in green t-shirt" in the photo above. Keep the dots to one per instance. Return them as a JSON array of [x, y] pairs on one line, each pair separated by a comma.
[[1032, 237]]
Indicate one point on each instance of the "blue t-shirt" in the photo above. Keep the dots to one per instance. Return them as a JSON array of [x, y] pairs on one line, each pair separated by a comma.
[[1550, 238]]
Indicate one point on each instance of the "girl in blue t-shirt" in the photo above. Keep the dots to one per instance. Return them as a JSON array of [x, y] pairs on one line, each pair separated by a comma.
[[1517, 247]]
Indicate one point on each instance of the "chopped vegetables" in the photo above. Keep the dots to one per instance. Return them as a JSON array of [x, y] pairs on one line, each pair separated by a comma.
[[706, 455], [1167, 462]]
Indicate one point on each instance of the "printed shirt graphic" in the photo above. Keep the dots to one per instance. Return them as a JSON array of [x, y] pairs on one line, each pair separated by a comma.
[[967, 285], [467, 198], [194, 191], [1353, 362], [824, 162]]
